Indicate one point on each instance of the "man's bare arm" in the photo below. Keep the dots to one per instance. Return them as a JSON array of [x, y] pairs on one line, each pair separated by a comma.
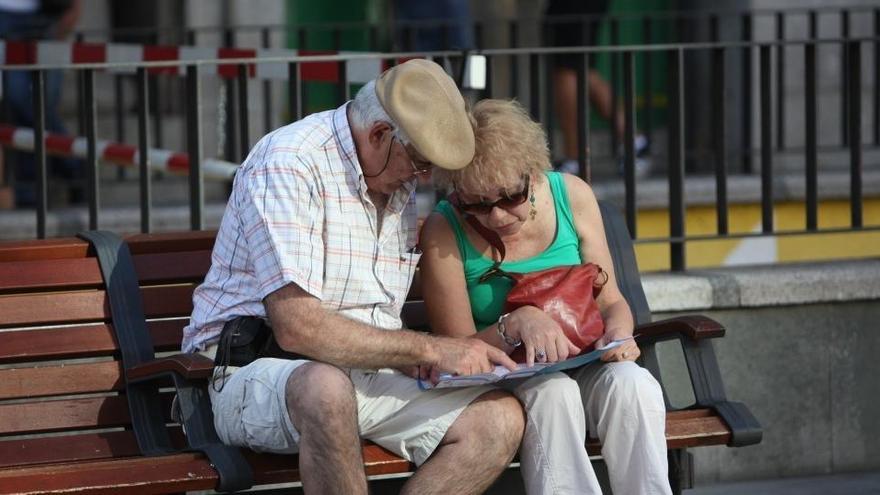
[[302, 325]]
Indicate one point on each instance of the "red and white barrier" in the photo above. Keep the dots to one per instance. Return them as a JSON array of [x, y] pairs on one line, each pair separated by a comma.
[[357, 71], [22, 138]]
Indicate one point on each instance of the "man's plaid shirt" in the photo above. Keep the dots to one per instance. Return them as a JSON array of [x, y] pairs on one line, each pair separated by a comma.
[[299, 213]]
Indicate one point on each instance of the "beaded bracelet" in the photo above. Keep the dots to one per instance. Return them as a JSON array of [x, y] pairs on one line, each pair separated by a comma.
[[502, 332]]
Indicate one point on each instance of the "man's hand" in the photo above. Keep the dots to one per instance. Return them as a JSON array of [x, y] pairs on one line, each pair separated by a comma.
[[542, 338], [467, 357]]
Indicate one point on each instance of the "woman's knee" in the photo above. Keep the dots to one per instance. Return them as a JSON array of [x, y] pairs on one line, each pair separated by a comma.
[[553, 391], [630, 383]]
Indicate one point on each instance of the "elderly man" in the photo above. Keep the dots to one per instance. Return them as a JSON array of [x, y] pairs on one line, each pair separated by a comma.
[[318, 242]]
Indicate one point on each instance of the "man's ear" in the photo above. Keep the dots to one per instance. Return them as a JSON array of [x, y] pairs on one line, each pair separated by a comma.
[[379, 133]]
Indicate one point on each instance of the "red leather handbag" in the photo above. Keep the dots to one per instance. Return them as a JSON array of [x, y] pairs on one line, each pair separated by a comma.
[[566, 293]]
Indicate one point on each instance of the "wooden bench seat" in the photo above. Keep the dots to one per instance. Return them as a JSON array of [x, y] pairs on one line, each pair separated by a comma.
[[65, 422]]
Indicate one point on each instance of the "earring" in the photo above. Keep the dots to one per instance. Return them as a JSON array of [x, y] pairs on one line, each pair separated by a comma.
[[532, 210]]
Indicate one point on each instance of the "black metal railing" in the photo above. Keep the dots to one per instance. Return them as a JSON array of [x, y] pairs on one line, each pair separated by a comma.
[[533, 87]]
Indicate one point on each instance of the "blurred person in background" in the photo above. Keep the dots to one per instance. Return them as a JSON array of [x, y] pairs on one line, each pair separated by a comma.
[[34, 20], [573, 23]]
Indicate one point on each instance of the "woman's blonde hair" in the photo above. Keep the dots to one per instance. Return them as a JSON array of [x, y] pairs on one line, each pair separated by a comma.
[[509, 145]]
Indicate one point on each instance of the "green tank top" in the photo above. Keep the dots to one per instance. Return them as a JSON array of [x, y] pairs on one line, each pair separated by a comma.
[[487, 299]]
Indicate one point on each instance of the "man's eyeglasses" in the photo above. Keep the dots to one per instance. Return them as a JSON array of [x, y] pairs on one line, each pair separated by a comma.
[[507, 202], [419, 166]]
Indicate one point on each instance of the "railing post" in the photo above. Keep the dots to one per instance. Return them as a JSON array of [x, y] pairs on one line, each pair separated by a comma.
[[583, 118], [144, 147], [810, 134], [854, 49], [746, 121], [629, 163], [268, 124], [766, 142], [342, 90], [677, 260], [780, 80], [647, 76], [514, 59], [719, 86], [38, 85], [194, 147], [119, 115], [877, 77], [844, 77], [615, 80], [91, 149], [244, 121], [294, 91], [535, 86]]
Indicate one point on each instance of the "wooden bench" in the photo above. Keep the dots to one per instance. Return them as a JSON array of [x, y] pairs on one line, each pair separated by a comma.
[[66, 387]]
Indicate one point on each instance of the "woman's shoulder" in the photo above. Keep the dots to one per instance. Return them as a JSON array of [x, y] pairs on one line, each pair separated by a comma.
[[580, 193], [436, 229]]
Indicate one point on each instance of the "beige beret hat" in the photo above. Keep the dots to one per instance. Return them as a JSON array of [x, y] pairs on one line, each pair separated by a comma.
[[424, 101]]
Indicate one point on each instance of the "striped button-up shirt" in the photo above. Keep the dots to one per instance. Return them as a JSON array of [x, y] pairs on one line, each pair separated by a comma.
[[299, 213]]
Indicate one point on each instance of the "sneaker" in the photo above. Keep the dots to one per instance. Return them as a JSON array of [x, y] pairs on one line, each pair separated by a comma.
[[643, 163]]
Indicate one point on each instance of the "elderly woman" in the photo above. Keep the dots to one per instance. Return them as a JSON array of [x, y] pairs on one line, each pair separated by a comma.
[[545, 219]]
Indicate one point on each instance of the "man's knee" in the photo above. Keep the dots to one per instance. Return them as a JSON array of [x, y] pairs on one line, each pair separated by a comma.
[[499, 423], [319, 393]]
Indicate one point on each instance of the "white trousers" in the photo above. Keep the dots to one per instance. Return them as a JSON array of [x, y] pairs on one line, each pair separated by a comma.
[[621, 403]]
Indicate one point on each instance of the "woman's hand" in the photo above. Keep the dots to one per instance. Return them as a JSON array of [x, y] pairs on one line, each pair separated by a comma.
[[542, 338], [627, 351]]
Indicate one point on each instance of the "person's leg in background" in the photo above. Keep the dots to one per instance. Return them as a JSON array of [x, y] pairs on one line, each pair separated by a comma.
[[434, 25], [582, 32]]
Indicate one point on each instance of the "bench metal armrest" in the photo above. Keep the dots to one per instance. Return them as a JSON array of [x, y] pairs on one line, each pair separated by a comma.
[[188, 366], [694, 333], [190, 374]]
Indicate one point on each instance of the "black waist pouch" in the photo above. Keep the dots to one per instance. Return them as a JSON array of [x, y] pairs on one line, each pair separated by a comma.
[[245, 339]]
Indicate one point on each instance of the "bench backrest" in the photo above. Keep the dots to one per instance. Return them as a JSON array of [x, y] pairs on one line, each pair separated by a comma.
[[60, 369]]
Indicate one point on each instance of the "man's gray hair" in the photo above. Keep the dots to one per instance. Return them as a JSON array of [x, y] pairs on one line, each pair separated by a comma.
[[366, 111]]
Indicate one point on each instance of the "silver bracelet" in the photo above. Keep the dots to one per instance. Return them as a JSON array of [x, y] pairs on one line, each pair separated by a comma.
[[502, 332]]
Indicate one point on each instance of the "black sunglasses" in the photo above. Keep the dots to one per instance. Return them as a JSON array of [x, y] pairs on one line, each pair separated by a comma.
[[507, 201]]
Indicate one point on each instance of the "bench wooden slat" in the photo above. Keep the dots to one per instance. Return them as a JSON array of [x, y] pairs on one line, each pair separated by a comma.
[[70, 414], [695, 432], [80, 341], [49, 274], [49, 308], [43, 249], [84, 306], [61, 380], [75, 448], [138, 475], [84, 273], [172, 473], [66, 414], [71, 247]]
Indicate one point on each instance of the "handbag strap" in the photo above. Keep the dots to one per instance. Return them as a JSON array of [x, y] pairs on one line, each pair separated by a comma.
[[490, 236]]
